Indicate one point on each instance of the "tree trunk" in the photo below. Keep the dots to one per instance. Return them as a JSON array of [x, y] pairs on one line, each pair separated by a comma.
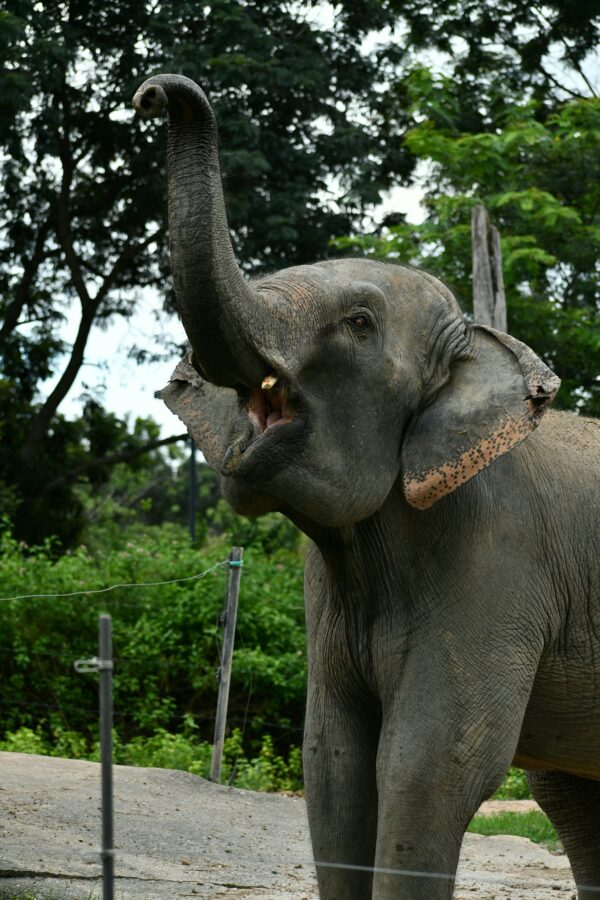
[[489, 301]]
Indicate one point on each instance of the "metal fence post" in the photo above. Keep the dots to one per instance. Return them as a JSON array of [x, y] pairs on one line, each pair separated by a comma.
[[106, 723], [236, 561], [103, 663]]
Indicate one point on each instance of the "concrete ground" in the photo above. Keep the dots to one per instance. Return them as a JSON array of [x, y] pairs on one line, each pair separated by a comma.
[[179, 836]]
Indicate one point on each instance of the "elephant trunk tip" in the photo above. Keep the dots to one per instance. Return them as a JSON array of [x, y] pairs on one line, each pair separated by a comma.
[[150, 100]]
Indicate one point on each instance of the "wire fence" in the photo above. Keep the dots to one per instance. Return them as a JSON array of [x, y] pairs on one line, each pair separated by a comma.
[[113, 587], [506, 881]]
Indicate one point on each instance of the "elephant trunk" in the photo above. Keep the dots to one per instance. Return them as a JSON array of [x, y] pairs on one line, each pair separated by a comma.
[[213, 297]]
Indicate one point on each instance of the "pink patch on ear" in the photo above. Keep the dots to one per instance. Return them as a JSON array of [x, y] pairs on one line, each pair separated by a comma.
[[423, 489]]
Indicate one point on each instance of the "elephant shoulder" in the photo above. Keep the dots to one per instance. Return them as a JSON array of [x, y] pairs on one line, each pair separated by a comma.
[[567, 448], [575, 434]]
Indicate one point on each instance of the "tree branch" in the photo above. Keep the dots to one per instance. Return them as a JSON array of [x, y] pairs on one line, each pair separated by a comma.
[[89, 305], [114, 458], [569, 52], [41, 423], [30, 269], [129, 253]]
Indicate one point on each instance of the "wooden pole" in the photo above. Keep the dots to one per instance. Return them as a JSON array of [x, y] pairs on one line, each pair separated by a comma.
[[192, 490], [236, 561], [489, 300]]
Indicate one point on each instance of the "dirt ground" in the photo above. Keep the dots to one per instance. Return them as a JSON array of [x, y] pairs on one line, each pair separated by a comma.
[[179, 836]]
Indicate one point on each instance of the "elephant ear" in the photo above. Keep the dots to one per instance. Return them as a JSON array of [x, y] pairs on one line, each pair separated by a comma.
[[494, 397], [207, 411]]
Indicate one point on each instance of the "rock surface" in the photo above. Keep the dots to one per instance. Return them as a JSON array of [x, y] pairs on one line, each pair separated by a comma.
[[179, 836]]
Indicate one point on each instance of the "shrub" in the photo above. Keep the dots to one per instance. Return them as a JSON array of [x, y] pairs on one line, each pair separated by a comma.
[[514, 786], [166, 638]]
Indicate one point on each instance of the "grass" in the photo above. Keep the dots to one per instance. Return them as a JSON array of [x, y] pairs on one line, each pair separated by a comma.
[[533, 825]]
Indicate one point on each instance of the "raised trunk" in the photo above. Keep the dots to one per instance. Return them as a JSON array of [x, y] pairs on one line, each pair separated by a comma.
[[213, 297]]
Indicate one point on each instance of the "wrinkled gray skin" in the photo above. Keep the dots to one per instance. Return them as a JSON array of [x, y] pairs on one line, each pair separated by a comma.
[[452, 581]]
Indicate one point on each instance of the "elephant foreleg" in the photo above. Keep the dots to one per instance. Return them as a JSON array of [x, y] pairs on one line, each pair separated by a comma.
[[341, 793]]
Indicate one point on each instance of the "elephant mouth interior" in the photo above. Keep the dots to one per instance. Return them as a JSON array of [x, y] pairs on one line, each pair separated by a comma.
[[269, 406], [266, 409]]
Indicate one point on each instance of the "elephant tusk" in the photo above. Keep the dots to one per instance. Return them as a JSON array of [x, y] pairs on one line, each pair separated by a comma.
[[269, 382]]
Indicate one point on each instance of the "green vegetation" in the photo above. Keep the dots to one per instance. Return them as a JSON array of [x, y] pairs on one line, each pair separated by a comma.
[[166, 650], [533, 825], [514, 786], [538, 175], [47, 895], [166, 638]]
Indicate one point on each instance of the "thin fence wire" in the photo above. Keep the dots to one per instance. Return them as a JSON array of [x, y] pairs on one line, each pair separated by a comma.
[[114, 587], [465, 877]]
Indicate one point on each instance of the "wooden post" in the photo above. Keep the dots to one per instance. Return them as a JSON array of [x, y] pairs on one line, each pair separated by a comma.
[[236, 561], [489, 300], [192, 490]]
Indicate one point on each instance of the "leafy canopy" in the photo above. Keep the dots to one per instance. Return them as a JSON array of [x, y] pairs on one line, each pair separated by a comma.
[[82, 212], [540, 180], [311, 124]]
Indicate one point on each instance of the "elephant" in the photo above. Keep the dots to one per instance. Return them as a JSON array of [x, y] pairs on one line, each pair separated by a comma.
[[452, 577]]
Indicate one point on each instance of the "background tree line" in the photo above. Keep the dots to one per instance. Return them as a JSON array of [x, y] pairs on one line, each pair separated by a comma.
[[321, 108]]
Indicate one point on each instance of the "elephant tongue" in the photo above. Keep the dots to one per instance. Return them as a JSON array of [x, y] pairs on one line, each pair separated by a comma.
[[267, 408]]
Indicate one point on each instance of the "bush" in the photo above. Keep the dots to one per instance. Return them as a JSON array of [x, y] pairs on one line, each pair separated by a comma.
[[166, 639], [514, 786]]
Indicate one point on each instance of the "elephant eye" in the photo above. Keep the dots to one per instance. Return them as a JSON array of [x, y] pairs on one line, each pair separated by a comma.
[[360, 322]]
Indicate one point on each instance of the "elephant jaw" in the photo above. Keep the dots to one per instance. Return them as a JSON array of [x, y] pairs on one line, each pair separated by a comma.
[[264, 411]]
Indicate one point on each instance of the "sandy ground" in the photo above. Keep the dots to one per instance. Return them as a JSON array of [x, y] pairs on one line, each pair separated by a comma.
[[178, 836]]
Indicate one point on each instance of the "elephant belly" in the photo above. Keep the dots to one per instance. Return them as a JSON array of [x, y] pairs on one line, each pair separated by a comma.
[[561, 727]]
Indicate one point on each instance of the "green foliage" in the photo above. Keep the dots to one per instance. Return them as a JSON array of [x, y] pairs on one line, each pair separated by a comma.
[[267, 533], [540, 180], [533, 825], [24, 740], [514, 786], [311, 127], [496, 51], [166, 638]]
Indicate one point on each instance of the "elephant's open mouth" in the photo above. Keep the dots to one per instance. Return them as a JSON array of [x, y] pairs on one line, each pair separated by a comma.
[[269, 406], [266, 410]]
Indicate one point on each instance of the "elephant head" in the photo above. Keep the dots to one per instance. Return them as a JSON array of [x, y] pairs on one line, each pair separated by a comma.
[[316, 389]]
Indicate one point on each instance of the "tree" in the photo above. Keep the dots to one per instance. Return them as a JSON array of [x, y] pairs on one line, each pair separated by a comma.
[[311, 127], [501, 51], [83, 208], [540, 181]]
